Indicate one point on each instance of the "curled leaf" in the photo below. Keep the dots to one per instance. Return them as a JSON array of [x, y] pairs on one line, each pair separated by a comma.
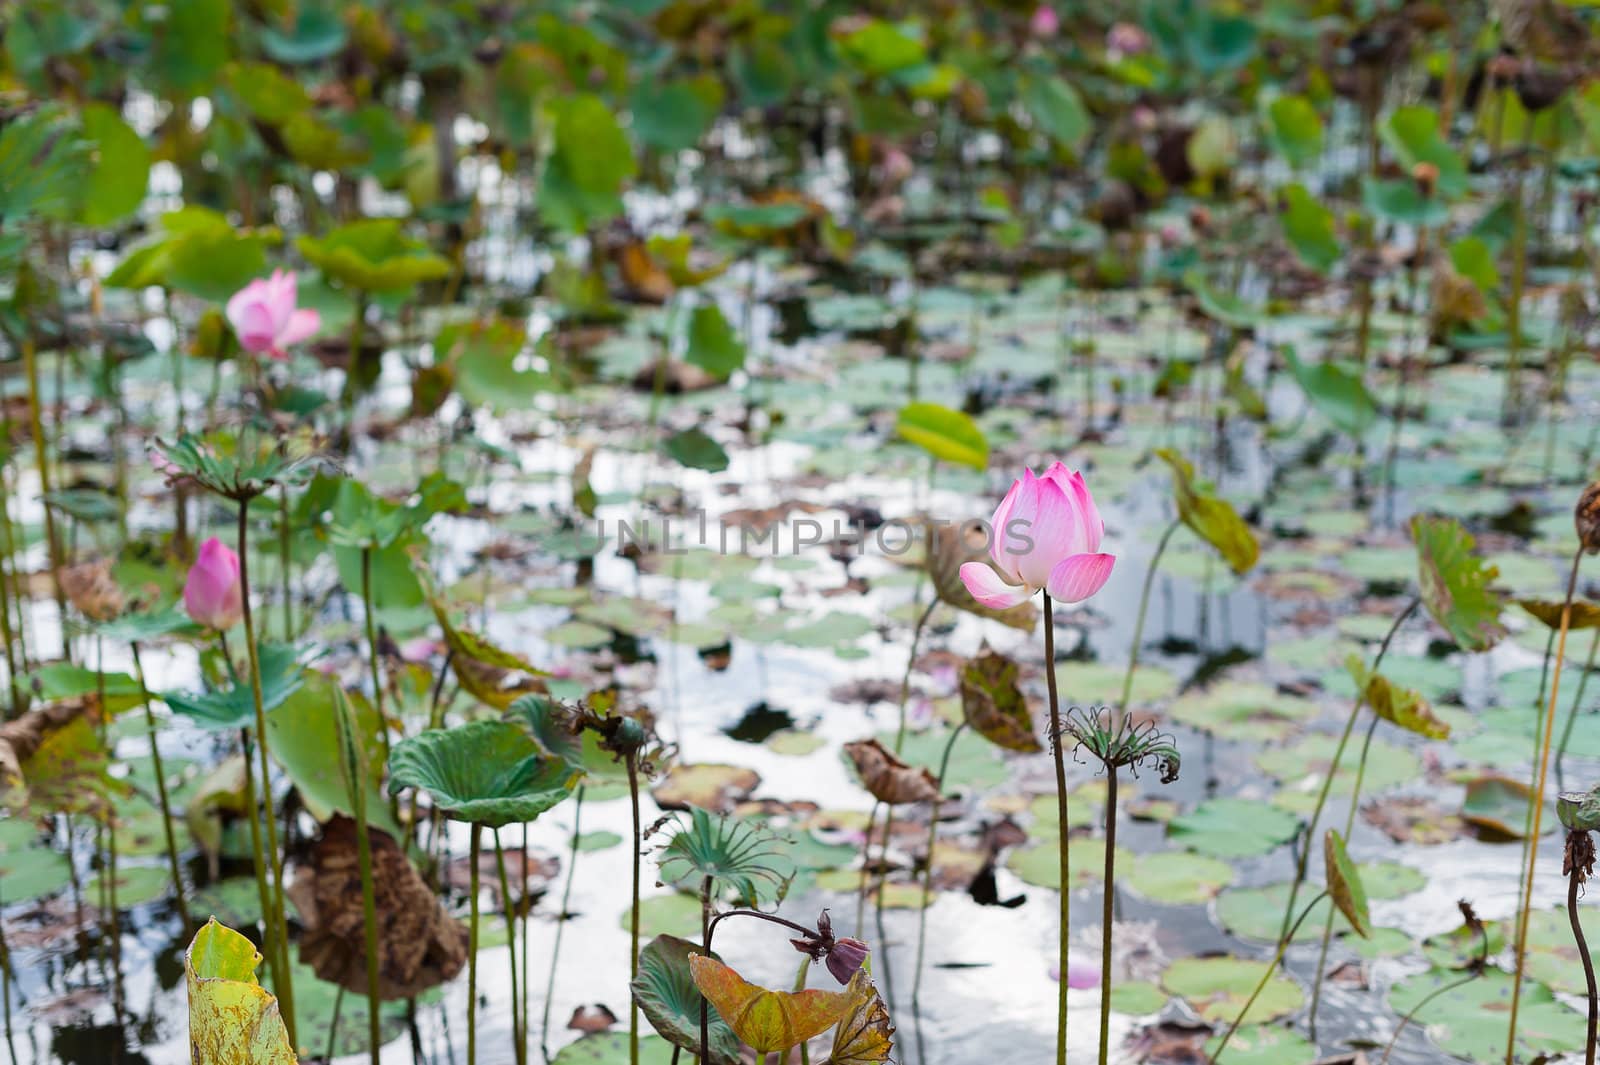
[[769, 1021], [865, 1036], [1402, 706], [232, 1018], [949, 548], [993, 704], [1585, 615], [888, 778], [666, 993], [1456, 583], [488, 772], [1344, 884], [1211, 518]]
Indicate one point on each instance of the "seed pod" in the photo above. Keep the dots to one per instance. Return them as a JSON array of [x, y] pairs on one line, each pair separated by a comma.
[[1587, 518]]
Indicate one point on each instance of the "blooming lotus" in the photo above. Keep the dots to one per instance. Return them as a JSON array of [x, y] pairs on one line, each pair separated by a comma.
[[264, 316], [1045, 534], [212, 592]]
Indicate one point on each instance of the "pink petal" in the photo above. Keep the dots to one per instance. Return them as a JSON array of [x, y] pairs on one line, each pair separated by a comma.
[[1077, 578], [1003, 515], [990, 589], [1056, 531], [254, 328], [282, 300], [302, 325], [240, 302], [1077, 489]]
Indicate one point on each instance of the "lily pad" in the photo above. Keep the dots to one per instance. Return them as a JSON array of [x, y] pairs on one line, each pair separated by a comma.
[[1217, 988], [1233, 828], [492, 773]]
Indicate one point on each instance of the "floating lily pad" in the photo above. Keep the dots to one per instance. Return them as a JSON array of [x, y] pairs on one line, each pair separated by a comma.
[[1232, 828], [718, 788], [1179, 878], [1217, 988], [1262, 1044], [1470, 1021]]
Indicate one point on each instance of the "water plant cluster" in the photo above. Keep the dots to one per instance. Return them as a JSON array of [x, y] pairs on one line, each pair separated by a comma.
[[1159, 447]]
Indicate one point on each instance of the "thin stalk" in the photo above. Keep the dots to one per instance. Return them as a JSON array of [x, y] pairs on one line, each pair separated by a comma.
[[1108, 899], [1575, 877], [283, 563], [355, 787], [1577, 703], [1216, 1055], [561, 923], [1333, 769], [472, 949], [279, 925], [41, 459], [333, 1028], [866, 868], [1327, 924], [372, 654], [1477, 971], [633, 917], [877, 906], [259, 855], [161, 791], [1525, 906], [1138, 627], [911, 661], [927, 869], [799, 986], [1061, 812], [511, 946]]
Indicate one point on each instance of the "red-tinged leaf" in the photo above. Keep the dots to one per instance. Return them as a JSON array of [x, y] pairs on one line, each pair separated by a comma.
[[768, 1021]]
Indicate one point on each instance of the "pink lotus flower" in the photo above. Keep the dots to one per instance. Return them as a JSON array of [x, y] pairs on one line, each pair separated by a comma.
[[1045, 22], [1081, 975], [212, 593], [1044, 534], [264, 316], [1125, 38]]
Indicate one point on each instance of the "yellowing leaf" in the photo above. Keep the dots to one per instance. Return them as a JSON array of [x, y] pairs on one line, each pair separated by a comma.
[[994, 705], [865, 1036], [769, 1021], [1212, 519], [233, 1020], [1402, 706], [1457, 583], [1344, 884]]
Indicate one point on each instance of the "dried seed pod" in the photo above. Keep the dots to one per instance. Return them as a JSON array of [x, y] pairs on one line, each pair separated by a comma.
[[1587, 518]]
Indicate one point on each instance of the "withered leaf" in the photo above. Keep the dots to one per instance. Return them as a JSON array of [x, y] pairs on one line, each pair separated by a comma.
[[888, 778], [949, 548], [993, 704], [419, 944]]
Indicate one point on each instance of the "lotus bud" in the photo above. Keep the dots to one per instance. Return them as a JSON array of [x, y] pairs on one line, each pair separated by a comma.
[[212, 593], [1587, 519]]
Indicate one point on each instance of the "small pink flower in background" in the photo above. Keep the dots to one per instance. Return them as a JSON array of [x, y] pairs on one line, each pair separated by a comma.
[[1127, 39], [212, 593], [264, 316], [897, 165], [420, 649], [1081, 975], [1045, 22], [163, 465], [1044, 534]]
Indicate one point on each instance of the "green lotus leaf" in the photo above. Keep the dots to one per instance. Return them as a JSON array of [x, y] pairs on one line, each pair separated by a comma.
[[945, 434], [373, 255], [1211, 518], [1457, 583], [487, 772], [234, 707], [666, 994]]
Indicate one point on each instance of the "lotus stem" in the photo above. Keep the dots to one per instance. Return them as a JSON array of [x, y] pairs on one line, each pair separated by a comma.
[[1108, 900], [1580, 859], [1333, 770], [561, 924], [511, 945], [866, 869], [279, 927], [161, 791], [927, 869], [474, 849], [1541, 778], [1138, 627], [1349, 824], [877, 905], [1272, 967], [30, 360], [911, 662], [283, 562], [372, 656], [632, 762], [355, 784], [1577, 703], [260, 859], [1477, 971], [1059, 756], [333, 1027]]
